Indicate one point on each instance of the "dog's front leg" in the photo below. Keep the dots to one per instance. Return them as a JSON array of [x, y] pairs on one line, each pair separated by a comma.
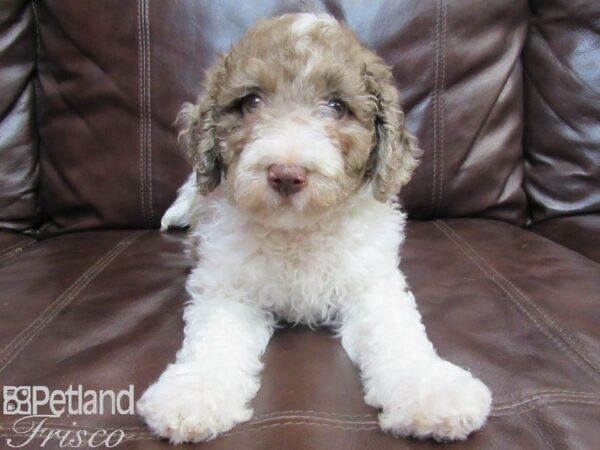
[[208, 389], [421, 395]]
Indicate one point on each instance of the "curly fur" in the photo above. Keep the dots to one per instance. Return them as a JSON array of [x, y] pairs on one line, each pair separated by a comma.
[[328, 254], [197, 123]]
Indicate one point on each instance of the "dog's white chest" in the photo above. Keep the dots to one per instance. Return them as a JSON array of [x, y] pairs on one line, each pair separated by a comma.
[[303, 277], [302, 280]]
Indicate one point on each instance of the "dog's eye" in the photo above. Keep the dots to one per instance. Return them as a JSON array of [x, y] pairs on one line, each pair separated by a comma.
[[250, 102], [338, 106]]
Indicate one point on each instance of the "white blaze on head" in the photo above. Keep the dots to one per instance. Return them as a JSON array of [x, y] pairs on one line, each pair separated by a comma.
[[305, 22]]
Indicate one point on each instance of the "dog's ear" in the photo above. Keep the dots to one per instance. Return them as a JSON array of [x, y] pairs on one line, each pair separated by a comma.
[[396, 152], [196, 124]]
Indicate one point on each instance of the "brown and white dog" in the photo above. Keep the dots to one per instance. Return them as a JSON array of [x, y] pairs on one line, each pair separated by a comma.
[[299, 149]]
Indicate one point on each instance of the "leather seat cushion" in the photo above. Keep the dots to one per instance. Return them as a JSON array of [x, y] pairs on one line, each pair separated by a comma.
[[104, 310]]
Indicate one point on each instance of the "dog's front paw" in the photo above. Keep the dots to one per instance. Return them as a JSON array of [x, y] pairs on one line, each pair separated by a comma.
[[183, 409], [447, 405]]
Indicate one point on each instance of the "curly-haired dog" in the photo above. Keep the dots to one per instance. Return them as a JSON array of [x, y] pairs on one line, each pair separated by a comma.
[[299, 149]]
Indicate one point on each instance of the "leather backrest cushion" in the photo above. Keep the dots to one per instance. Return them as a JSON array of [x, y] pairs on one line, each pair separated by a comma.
[[18, 137], [113, 75], [562, 98]]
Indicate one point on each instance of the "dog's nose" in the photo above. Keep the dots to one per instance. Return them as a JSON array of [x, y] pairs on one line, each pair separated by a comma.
[[287, 180]]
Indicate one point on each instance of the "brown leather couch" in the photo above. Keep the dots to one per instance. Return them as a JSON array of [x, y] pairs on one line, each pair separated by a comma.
[[503, 249]]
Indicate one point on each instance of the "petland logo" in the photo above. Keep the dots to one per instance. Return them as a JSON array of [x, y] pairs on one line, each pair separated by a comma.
[[37, 404]]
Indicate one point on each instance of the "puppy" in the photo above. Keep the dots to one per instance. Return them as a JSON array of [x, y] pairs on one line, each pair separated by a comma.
[[299, 149]]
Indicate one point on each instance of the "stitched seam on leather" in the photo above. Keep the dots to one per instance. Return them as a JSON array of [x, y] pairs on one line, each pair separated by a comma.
[[546, 395], [435, 100], [14, 348], [565, 334], [544, 326], [65, 298], [310, 411], [14, 250], [17, 251], [279, 415], [148, 435], [142, 100], [148, 159], [550, 392], [550, 321], [146, 121], [438, 105], [441, 105], [553, 396], [309, 417], [36, 99], [539, 405], [248, 426], [143, 432], [574, 356], [254, 421], [11, 247], [292, 423]]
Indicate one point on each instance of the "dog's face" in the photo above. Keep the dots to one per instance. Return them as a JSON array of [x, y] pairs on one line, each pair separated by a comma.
[[297, 118]]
